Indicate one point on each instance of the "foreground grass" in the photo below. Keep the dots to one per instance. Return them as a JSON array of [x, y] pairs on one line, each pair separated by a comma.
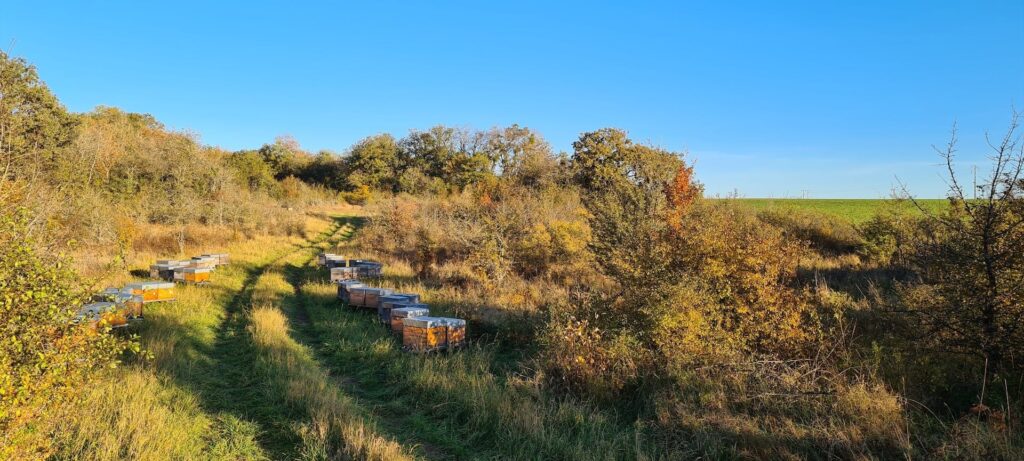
[[855, 210]]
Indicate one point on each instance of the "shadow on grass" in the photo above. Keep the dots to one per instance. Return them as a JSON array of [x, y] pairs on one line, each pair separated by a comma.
[[224, 374]]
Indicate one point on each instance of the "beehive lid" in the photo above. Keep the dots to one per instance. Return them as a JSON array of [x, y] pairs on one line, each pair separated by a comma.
[[410, 311], [453, 322], [350, 284], [423, 322], [197, 270], [395, 298], [169, 262], [134, 286], [378, 291]]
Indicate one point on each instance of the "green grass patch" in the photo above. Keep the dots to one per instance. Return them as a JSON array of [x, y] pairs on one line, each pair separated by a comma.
[[855, 210]]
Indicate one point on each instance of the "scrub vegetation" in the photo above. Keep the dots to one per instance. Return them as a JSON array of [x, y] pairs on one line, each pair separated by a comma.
[[614, 311]]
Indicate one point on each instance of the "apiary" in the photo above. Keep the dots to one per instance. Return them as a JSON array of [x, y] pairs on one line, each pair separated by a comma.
[[130, 304], [387, 305], [456, 332], [103, 312], [344, 289], [203, 262], [399, 314], [424, 334], [196, 275], [343, 273], [151, 291], [220, 258], [372, 296]]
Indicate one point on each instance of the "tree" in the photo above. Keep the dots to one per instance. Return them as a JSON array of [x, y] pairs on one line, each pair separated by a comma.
[[970, 298], [523, 156], [34, 127], [373, 162]]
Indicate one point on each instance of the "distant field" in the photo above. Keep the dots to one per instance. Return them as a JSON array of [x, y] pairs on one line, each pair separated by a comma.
[[855, 210]]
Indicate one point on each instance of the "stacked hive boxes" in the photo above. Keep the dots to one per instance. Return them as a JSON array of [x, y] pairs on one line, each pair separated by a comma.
[[424, 334]]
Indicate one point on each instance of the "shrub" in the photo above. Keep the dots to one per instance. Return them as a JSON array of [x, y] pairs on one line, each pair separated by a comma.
[[43, 357]]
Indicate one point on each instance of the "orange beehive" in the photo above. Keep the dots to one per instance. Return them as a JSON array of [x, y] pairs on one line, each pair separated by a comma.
[[424, 334], [152, 291], [105, 313], [399, 314]]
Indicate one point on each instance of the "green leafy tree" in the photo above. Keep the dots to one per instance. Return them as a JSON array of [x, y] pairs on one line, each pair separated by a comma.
[[374, 162]]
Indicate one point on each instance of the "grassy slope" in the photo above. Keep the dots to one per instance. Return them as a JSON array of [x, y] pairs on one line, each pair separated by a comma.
[[855, 210]]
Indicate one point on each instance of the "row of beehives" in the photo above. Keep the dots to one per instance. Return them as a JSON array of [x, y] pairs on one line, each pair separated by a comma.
[[195, 270], [116, 307], [349, 269], [403, 313]]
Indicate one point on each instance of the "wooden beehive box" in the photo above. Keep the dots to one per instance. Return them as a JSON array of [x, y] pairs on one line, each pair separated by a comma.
[[399, 314], [395, 300], [369, 269], [357, 296], [131, 304], [335, 261], [343, 273], [456, 331], [424, 334], [203, 262], [344, 289], [373, 295], [221, 259], [321, 258], [94, 314], [197, 275]]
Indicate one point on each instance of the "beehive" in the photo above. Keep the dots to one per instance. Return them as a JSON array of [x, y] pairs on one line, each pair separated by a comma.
[[385, 308], [131, 304], [179, 274], [333, 261], [343, 273], [369, 269], [196, 275], [424, 334], [163, 271], [321, 259], [456, 331], [399, 314], [107, 295], [357, 296], [220, 258], [203, 262], [372, 296], [344, 289], [171, 262], [151, 291], [394, 300], [94, 314]]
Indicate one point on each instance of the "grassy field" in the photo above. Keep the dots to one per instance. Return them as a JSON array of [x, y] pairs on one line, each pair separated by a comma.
[[855, 210], [265, 364]]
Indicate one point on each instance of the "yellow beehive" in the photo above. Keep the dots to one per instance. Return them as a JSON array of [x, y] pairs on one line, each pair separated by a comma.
[[131, 304], [456, 332], [104, 313], [152, 291], [424, 334], [197, 275]]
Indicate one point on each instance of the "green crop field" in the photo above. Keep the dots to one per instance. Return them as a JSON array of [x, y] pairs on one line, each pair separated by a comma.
[[855, 210]]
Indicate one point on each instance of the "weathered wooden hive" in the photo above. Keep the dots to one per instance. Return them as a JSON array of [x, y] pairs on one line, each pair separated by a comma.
[[164, 271], [343, 273], [424, 334], [369, 269], [456, 330], [372, 296], [222, 259], [396, 300], [321, 258], [344, 290], [333, 261], [399, 314], [204, 262]]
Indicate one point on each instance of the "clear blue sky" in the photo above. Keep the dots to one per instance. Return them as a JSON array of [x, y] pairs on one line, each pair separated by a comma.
[[770, 98]]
